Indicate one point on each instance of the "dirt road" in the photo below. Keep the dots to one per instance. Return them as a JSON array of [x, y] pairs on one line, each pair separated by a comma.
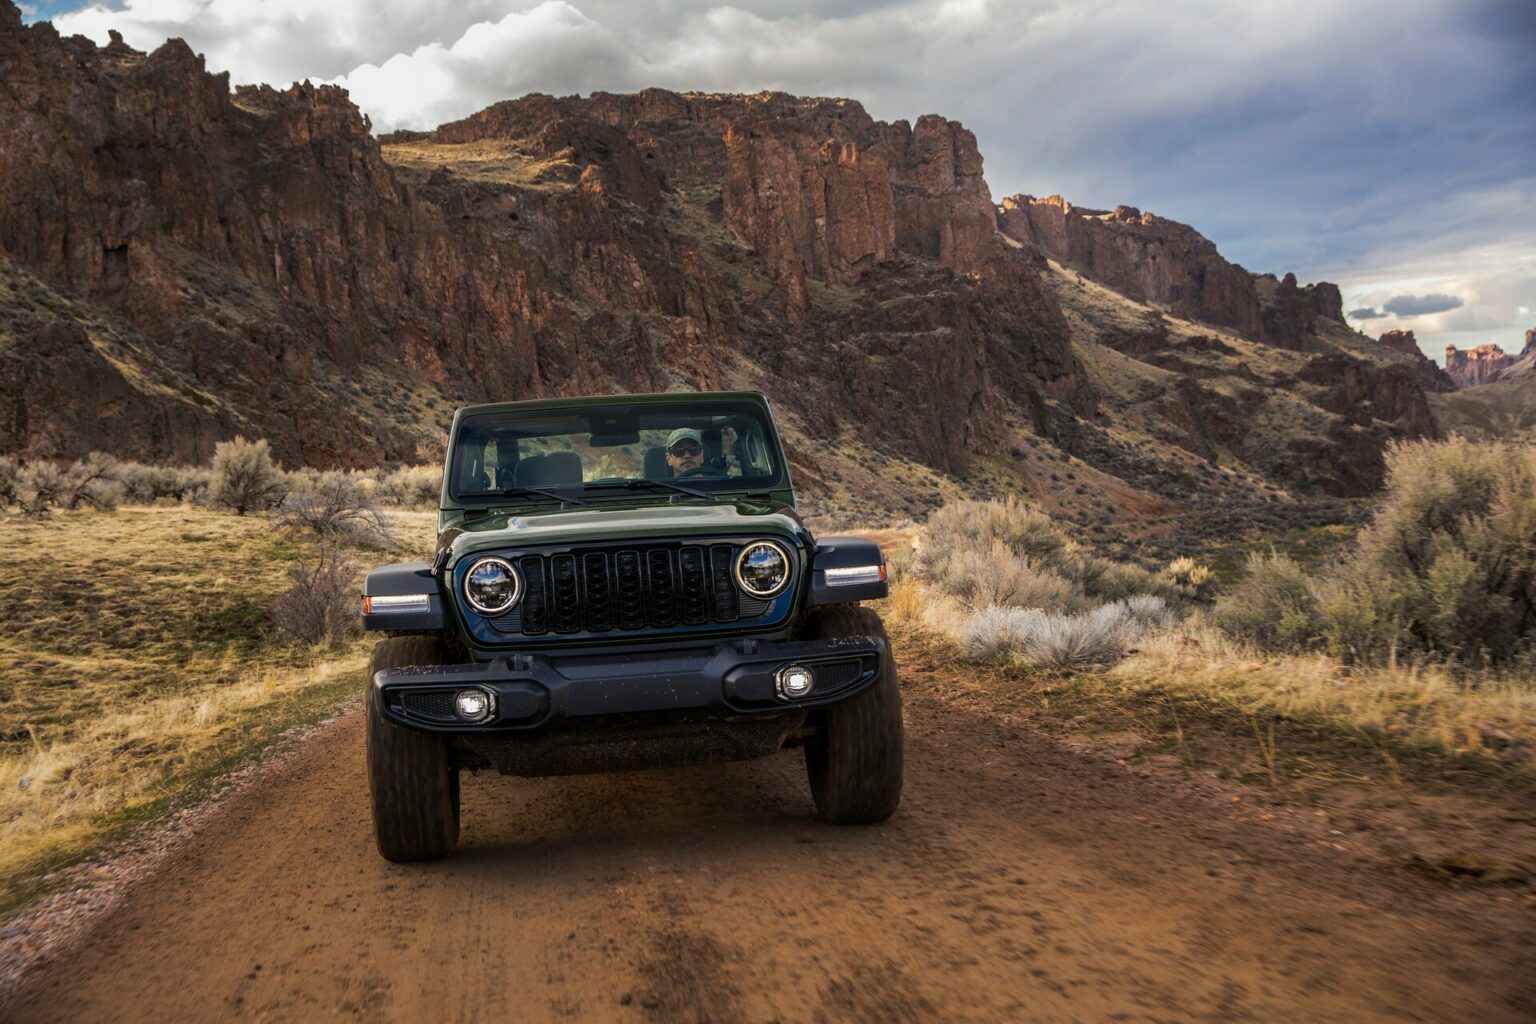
[[1019, 881]]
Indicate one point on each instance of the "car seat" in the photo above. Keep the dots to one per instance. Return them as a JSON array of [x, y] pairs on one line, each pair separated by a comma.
[[558, 469], [656, 467]]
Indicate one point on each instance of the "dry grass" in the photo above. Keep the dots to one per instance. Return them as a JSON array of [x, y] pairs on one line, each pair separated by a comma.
[[140, 655], [1424, 706], [1406, 708]]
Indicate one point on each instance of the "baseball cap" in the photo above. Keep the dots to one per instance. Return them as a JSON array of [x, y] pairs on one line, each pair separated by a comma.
[[685, 434]]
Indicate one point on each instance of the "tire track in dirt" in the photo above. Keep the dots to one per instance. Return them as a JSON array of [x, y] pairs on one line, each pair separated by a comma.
[[1019, 881]]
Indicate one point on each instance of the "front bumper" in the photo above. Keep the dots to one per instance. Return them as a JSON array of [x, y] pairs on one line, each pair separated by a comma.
[[543, 692]]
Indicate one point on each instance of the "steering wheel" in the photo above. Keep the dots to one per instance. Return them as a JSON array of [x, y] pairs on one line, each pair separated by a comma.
[[700, 472]]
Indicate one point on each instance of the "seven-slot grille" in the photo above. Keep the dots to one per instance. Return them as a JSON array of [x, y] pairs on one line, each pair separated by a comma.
[[650, 587]]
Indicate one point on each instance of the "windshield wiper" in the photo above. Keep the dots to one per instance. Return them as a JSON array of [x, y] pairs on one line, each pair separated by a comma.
[[635, 485], [513, 492]]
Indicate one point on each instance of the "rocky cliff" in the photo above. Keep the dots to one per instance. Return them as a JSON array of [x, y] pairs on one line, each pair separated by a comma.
[[1430, 376], [1160, 261], [1479, 365], [254, 262], [180, 263], [1140, 255]]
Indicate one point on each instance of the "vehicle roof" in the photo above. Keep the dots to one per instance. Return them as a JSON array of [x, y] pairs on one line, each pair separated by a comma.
[[662, 398]]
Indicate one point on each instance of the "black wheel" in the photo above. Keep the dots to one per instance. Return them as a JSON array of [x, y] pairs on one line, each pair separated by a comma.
[[854, 760], [414, 788]]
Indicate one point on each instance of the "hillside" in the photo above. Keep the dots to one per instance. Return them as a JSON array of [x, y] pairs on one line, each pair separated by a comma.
[[179, 263]]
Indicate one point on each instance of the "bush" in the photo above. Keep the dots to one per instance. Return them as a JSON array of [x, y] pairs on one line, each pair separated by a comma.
[[1190, 580], [39, 487], [93, 481], [244, 477], [333, 507], [1024, 531], [1447, 569], [1010, 554], [411, 486], [995, 577], [320, 606], [1275, 606], [1095, 637], [145, 485]]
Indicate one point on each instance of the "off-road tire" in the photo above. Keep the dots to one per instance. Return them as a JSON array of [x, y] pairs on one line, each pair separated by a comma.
[[854, 760], [413, 785]]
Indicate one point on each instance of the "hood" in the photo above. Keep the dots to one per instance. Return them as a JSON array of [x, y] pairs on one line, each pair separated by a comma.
[[597, 525]]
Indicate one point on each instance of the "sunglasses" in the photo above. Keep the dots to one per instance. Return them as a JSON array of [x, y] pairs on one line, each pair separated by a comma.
[[685, 449]]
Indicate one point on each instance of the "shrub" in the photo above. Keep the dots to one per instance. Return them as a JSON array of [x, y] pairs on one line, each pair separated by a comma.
[[333, 507], [1095, 637], [244, 477], [39, 486], [996, 577], [1275, 606], [1189, 579], [1023, 530], [1010, 554], [1116, 581], [145, 485], [1447, 569], [92, 481], [320, 606], [411, 486]]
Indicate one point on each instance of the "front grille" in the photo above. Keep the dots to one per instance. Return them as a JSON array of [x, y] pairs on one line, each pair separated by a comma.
[[436, 706], [651, 587], [832, 674]]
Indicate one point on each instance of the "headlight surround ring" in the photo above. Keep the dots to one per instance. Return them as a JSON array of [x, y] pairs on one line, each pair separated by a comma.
[[747, 553], [511, 574]]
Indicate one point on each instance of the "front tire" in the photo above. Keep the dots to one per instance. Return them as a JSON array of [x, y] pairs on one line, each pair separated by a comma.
[[413, 786], [855, 761]]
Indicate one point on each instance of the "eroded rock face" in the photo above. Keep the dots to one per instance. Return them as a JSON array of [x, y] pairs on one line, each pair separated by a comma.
[[1480, 365], [1291, 312], [1153, 259], [1430, 376], [1141, 255], [267, 270]]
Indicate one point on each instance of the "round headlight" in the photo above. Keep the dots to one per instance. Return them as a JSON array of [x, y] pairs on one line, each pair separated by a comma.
[[492, 586], [762, 569]]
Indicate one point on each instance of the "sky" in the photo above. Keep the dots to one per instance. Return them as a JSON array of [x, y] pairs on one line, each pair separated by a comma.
[[1385, 145]]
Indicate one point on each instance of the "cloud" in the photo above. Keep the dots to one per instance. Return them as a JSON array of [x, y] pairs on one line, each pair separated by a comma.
[[1419, 305], [1365, 313], [549, 48], [1495, 286]]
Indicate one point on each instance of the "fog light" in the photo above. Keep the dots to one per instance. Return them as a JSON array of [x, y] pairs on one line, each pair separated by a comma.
[[794, 682], [474, 705]]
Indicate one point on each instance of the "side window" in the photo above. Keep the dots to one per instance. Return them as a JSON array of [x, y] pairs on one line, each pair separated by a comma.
[[754, 455]]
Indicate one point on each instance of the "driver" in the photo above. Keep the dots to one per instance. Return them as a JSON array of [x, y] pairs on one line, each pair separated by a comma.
[[685, 450]]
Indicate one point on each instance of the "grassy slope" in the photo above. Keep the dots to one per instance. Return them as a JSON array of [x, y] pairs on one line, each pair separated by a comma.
[[1505, 409], [141, 662]]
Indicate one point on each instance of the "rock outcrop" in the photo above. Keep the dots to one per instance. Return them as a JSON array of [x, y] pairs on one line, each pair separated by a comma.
[[1480, 365], [265, 266], [1153, 259], [1141, 255], [1430, 376]]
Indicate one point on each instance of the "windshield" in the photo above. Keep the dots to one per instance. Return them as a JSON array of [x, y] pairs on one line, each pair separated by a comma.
[[696, 445]]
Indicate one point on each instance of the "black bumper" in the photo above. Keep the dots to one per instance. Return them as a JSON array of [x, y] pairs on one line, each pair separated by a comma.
[[537, 693]]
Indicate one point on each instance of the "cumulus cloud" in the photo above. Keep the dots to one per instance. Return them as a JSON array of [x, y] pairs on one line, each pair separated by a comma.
[[1495, 286], [1419, 305], [549, 48], [1365, 313]]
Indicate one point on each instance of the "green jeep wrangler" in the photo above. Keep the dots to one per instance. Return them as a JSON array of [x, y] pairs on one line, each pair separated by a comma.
[[621, 583]]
